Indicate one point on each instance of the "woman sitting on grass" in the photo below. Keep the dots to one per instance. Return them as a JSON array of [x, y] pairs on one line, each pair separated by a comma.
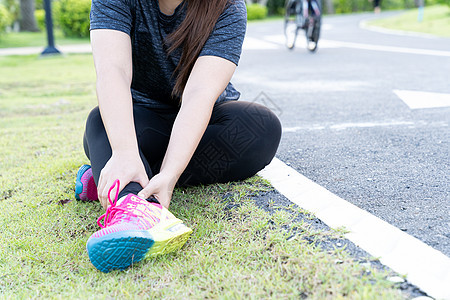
[[166, 117]]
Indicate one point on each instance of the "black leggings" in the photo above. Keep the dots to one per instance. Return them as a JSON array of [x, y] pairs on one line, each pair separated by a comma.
[[241, 139]]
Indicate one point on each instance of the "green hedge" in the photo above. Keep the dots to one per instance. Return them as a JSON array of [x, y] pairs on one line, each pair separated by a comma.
[[275, 7], [431, 2], [347, 6], [39, 14], [397, 4], [5, 18], [255, 11], [72, 17], [13, 7], [39, 4]]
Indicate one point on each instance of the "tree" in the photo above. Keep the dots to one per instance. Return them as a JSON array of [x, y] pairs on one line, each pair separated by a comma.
[[27, 19]]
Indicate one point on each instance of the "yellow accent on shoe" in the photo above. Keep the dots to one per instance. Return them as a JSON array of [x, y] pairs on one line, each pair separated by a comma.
[[169, 235]]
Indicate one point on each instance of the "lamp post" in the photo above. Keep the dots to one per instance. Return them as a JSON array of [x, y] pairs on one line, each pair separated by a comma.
[[51, 49]]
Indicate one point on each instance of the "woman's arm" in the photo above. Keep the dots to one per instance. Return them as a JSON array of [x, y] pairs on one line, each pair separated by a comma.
[[207, 81], [113, 64]]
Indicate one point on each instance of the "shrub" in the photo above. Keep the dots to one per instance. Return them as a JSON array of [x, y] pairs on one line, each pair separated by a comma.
[[5, 18], [40, 18], [348, 6], [256, 12], [397, 4], [39, 4], [13, 7], [73, 17], [435, 2], [275, 7]]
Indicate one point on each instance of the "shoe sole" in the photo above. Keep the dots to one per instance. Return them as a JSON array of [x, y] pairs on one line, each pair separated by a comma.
[[119, 250], [78, 183]]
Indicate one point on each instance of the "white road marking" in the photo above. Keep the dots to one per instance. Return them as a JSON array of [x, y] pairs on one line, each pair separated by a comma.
[[279, 39], [299, 128], [424, 266], [390, 48], [344, 126], [251, 43], [348, 125], [417, 100], [369, 125], [301, 42], [326, 26]]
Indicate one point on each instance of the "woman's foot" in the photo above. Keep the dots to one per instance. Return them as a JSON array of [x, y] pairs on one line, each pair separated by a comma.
[[134, 229], [85, 188]]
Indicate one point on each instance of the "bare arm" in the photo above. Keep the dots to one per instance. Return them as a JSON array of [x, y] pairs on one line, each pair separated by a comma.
[[113, 64], [208, 79]]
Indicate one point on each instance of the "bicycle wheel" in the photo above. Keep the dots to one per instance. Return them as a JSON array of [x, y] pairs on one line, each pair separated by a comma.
[[290, 24], [313, 26]]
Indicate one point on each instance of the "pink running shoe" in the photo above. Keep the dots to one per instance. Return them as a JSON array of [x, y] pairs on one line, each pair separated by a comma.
[[134, 229], [85, 188]]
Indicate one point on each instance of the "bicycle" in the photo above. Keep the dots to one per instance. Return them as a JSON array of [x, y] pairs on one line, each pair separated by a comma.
[[306, 15]]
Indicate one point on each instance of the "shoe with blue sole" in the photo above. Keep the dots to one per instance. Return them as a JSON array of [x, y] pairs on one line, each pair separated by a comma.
[[134, 229], [85, 188]]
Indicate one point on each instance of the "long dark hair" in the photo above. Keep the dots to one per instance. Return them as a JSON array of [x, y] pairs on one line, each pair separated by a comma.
[[191, 36]]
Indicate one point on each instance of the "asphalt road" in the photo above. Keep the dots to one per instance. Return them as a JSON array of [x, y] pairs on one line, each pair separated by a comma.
[[346, 129]]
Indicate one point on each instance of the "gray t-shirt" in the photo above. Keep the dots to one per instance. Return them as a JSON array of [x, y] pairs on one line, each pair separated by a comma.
[[147, 26]]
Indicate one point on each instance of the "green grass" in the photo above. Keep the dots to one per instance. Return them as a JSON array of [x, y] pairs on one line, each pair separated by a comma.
[[237, 250], [436, 21], [36, 39]]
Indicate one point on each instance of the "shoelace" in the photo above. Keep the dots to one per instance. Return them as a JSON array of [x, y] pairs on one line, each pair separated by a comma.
[[112, 209]]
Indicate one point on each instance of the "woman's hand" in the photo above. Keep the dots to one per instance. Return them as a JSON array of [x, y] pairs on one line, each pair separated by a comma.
[[126, 167], [161, 187]]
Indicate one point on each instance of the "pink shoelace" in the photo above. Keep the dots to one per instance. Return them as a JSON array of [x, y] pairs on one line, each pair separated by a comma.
[[112, 209]]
